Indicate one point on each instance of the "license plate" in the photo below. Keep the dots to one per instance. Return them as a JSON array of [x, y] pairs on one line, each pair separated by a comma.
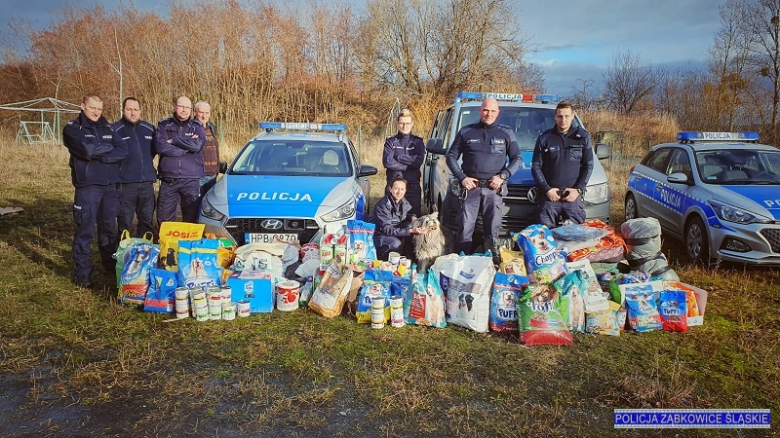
[[270, 237]]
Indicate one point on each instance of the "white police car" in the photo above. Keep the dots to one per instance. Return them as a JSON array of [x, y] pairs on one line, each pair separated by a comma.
[[715, 191], [289, 182]]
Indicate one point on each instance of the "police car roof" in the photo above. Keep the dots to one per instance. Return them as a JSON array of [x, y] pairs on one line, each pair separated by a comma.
[[716, 145], [286, 135]]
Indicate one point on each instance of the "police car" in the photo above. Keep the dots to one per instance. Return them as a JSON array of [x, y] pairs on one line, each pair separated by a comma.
[[527, 115], [289, 183], [715, 191]]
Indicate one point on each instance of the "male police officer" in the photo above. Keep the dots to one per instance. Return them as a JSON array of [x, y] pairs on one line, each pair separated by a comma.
[[179, 142], [561, 165], [136, 174], [485, 146], [403, 156], [95, 154], [210, 147]]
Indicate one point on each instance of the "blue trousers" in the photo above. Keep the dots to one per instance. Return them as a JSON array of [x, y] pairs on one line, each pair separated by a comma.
[[550, 211], [136, 199], [94, 205], [475, 201], [175, 191]]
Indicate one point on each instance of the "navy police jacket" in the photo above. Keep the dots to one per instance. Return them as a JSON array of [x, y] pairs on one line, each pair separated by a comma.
[[484, 149], [391, 218], [139, 137], [562, 161], [181, 157], [95, 151], [403, 156]]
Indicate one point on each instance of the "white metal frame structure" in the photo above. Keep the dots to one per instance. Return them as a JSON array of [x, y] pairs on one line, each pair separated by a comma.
[[44, 106]]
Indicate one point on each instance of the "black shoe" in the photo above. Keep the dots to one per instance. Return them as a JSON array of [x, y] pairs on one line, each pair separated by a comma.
[[84, 282]]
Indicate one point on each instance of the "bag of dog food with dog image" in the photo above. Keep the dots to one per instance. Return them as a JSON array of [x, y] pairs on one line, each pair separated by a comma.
[[512, 262], [161, 296], [572, 288], [604, 321], [467, 285], [541, 317], [503, 302], [375, 283], [361, 238], [331, 293], [642, 310], [544, 262], [673, 309], [170, 235], [123, 251], [198, 265], [424, 304], [135, 279]]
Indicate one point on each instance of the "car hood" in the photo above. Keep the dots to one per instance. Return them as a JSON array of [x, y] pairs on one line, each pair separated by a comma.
[[762, 199], [524, 177]]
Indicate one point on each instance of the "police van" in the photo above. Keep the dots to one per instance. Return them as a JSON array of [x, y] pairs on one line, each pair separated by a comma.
[[527, 116], [715, 191], [289, 183]]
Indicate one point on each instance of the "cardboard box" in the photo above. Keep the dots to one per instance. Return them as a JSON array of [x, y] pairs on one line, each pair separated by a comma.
[[254, 286]]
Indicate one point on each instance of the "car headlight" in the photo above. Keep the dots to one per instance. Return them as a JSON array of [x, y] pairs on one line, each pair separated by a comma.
[[345, 211], [737, 215], [596, 194], [208, 210]]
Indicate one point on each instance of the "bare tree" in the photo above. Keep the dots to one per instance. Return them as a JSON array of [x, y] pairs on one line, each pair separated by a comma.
[[628, 81], [763, 27]]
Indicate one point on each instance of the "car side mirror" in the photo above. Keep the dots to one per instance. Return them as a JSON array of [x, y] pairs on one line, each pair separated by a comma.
[[602, 151], [679, 178], [223, 166], [366, 170], [435, 146]]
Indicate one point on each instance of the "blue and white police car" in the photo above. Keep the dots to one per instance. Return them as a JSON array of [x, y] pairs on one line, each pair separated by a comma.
[[715, 191], [289, 183]]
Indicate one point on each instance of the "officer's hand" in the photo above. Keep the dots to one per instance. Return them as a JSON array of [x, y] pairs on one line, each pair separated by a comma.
[[469, 183], [571, 195], [552, 195], [412, 218], [496, 182]]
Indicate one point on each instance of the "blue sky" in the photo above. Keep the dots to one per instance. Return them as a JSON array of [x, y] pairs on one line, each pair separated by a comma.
[[573, 41]]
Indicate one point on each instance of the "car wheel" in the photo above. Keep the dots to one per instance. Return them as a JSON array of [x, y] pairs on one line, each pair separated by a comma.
[[697, 243], [631, 211]]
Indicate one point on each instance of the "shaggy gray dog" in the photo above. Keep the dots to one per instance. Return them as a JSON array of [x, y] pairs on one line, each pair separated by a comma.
[[436, 242]]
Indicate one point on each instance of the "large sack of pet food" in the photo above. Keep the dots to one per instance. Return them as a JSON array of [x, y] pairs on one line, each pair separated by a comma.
[[376, 283], [123, 251], [466, 281], [135, 278], [544, 262], [542, 317], [331, 293], [643, 240], [361, 238], [610, 248], [695, 301], [161, 296], [572, 288], [424, 303], [198, 266], [170, 235], [642, 307], [672, 307], [503, 302], [577, 236]]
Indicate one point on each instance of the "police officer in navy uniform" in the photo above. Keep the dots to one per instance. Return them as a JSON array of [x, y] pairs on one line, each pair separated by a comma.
[[137, 173], [179, 142], [393, 217], [403, 156], [95, 154], [561, 166], [485, 146]]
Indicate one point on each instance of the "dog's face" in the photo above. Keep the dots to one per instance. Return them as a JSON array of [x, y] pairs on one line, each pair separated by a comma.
[[429, 221], [543, 294], [540, 241]]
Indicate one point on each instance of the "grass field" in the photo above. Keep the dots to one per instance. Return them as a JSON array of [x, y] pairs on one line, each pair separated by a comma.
[[74, 363]]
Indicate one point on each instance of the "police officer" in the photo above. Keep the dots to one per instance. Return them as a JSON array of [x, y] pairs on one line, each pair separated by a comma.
[[561, 166], [137, 173], [210, 146], [393, 217], [485, 146], [95, 153], [179, 142], [403, 156]]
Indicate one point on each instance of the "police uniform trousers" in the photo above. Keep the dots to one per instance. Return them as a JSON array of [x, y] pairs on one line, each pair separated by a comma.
[[94, 204], [174, 191], [136, 199], [550, 212], [387, 244], [475, 201]]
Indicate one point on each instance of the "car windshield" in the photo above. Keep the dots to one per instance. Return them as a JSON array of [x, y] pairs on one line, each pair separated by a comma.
[[298, 157], [526, 122], [739, 166]]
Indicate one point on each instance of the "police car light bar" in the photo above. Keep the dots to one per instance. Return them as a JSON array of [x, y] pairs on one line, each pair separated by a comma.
[[269, 126], [691, 136], [507, 97]]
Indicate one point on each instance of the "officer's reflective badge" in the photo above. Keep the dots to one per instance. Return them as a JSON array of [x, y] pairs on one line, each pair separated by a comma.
[[497, 141]]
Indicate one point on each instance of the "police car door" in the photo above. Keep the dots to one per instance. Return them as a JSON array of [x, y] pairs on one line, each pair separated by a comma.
[[430, 163], [671, 196], [364, 183]]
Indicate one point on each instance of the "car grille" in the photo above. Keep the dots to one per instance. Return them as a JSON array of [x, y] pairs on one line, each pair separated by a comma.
[[773, 236], [518, 193], [304, 228]]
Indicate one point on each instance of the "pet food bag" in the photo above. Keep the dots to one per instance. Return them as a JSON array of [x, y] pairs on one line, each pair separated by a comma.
[[123, 251], [642, 310], [503, 302], [543, 260], [361, 238], [572, 288], [198, 266], [170, 235], [610, 248], [424, 304], [672, 306], [604, 321], [541, 317], [468, 280], [512, 262], [331, 293], [161, 296], [375, 283], [135, 279]]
